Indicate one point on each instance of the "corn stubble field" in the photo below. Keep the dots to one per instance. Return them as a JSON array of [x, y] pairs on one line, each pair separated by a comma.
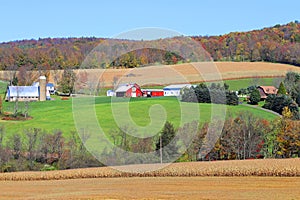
[[247, 179], [266, 167]]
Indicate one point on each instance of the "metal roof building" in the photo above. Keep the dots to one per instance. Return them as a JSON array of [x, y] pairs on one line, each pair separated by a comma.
[[175, 90], [22, 93]]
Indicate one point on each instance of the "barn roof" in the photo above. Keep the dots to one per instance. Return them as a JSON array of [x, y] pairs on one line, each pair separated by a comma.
[[177, 86], [152, 90], [50, 85], [269, 89], [124, 88], [23, 91]]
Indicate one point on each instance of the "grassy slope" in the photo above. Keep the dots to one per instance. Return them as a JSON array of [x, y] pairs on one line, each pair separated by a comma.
[[244, 83], [51, 115]]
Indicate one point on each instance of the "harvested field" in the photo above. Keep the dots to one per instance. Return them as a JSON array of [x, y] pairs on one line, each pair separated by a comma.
[[266, 167], [156, 188], [192, 73], [181, 73]]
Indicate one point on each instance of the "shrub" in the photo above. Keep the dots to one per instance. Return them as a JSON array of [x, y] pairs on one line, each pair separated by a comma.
[[48, 168]]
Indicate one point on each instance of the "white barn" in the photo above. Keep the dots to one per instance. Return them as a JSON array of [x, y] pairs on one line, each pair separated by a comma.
[[175, 90], [22, 93], [36, 92]]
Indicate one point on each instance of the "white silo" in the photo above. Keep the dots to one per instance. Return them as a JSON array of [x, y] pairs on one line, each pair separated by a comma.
[[43, 90]]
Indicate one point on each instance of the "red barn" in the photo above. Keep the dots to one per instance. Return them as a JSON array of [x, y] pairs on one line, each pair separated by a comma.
[[153, 92], [129, 90]]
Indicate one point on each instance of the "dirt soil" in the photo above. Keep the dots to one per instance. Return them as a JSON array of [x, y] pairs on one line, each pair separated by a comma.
[[171, 74], [155, 188]]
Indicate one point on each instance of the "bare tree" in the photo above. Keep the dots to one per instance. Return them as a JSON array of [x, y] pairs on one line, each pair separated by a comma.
[[10, 74], [2, 130], [32, 136], [115, 81], [25, 75], [16, 144]]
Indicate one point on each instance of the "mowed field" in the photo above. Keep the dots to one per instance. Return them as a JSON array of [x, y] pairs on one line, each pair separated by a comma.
[[248, 179], [58, 114]]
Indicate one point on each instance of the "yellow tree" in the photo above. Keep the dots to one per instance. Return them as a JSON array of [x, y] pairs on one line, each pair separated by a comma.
[[288, 137]]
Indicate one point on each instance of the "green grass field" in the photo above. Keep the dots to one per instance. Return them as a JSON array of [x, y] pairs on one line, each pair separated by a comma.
[[244, 83], [57, 114]]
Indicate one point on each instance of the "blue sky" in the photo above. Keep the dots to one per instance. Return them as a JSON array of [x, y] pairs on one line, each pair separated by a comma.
[[39, 19]]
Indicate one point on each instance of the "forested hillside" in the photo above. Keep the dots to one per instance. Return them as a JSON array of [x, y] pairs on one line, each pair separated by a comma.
[[276, 44], [280, 43]]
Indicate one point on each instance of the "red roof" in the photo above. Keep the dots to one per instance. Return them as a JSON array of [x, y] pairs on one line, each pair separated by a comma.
[[269, 89]]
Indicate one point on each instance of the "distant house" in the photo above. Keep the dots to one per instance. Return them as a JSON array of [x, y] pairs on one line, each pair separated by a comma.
[[129, 90], [175, 90], [22, 93], [264, 91], [110, 93], [50, 87], [153, 92]]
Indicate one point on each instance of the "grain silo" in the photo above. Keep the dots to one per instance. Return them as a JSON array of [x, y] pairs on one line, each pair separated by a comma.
[[42, 88]]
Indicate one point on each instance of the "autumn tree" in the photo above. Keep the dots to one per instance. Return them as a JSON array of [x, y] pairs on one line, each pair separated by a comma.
[[31, 147], [288, 138], [66, 84]]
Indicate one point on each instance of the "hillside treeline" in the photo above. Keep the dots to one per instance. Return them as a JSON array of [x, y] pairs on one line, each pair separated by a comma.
[[243, 136], [276, 44], [280, 43]]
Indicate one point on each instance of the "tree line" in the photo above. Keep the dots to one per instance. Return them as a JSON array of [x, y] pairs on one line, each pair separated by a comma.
[[36, 150], [280, 43], [213, 93]]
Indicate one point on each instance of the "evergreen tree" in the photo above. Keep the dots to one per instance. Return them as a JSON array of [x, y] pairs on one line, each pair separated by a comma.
[[166, 143], [15, 81], [232, 98], [281, 89], [254, 97]]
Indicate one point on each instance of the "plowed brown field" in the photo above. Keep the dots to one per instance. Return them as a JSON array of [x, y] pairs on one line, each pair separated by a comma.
[[192, 73], [183, 73], [156, 188], [248, 179]]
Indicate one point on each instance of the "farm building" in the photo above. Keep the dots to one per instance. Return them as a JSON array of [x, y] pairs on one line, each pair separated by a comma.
[[110, 93], [22, 93], [153, 92], [264, 91], [28, 93], [49, 87], [175, 90], [129, 90]]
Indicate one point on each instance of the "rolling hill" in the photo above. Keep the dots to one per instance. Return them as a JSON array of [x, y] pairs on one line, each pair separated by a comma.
[[280, 44]]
